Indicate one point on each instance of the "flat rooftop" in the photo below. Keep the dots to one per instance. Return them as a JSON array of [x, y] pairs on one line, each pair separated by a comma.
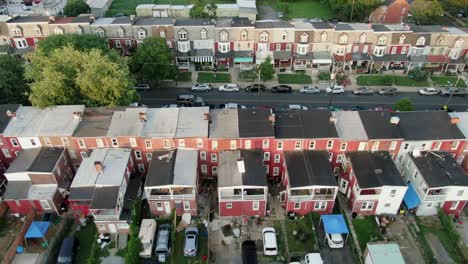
[[36, 160], [251, 172], [305, 124], [309, 168], [173, 167]]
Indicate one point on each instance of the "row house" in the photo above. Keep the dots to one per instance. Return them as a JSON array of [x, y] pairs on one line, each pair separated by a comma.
[[242, 183], [274, 39], [7, 154], [372, 183], [38, 179], [304, 130], [393, 47], [143, 27], [118, 31], [172, 182], [194, 42], [4, 34], [312, 45], [101, 189], [232, 129], [310, 185], [80, 25], [26, 31], [461, 118], [435, 181], [352, 45], [458, 49], [234, 42], [428, 48]]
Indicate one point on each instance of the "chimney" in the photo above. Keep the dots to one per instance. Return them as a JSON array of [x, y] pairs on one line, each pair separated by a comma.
[[132, 17], [454, 120], [51, 18], [272, 118], [10, 113], [77, 115], [206, 116], [416, 153], [93, 18], [142, 116], [394, 120], [333, 119], [98, 166]]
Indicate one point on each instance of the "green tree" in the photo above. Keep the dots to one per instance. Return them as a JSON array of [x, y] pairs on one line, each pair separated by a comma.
[[266, 69], [403, 105], [13, 87], [132, 255], [69, 76], [353, 10], [76, 7], [203, 9], [79, 42], [153, 61], [455, 6], [418, 74], [426, 11]]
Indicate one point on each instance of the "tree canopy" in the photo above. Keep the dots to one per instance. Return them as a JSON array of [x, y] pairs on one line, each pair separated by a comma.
[[76, 7], [426, 11], [403, 105], [13, 87], [70, 76], [353, 10], [79, 42], [266, 70], [152, 61], [203, 9]]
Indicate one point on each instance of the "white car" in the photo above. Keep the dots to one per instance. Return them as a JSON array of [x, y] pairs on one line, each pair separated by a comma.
[[230, 87], [337, 89], [298, 107], [270, 247], [309, 89], [428, 91], [170, 106], [313, 258], [335, 240], [201, 87], [233, 106]]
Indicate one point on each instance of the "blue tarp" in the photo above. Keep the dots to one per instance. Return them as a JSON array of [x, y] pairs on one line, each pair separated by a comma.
[[240, 60], [38, 229], [411, 198], [334, 224]]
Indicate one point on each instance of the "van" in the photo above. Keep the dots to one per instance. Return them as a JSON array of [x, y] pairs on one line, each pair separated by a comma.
[[185, 100], [270, 247], [146, 235], [68, 250], [162, 245]]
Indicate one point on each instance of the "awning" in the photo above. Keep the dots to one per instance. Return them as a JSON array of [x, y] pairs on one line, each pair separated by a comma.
[[334, 224], [243, 60], [37, 229], [321, 57], [411, 198]]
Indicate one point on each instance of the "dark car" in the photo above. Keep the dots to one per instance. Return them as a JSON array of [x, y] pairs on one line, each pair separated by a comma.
[[357, 108], [249, 252], [255, 87], [282, 89], [334, 20], [67, 250], [185, 100], [388, 91]]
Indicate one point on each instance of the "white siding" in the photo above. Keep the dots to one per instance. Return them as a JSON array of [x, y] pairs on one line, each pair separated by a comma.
[[395, 201]]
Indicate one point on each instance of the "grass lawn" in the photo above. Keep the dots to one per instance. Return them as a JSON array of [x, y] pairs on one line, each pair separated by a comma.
[[208, 77], [248, 75], [86, 237], [178, 251], [304, 241], [374, 80], [366, 231], [444, 81], [301, 8], [294, 79], [184, 77], [407, 81]]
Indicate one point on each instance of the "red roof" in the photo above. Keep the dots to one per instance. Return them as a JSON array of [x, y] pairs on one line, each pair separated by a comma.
[[438, 59]]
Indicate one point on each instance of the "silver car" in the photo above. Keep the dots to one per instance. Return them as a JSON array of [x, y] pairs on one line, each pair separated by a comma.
[[191, 242], [201, 87], [309, 89]]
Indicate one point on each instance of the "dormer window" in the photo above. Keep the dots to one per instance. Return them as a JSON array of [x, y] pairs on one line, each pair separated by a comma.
[[343, 39], [304, 37], [18, 32], [244, 35], [284, 36], [223, 36], [203, 34], [382, 40], [121, 32], [141, 33], [402, 39], [421, 41], [440, 40], [363, 38], [58, 31], [323, 37], [183, 35], [100, 32], [458, 43], [79, 30], [38, 31], [264, 37], [162, 34]]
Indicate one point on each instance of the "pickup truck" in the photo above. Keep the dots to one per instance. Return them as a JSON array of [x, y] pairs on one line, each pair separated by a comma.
[[453, 91]]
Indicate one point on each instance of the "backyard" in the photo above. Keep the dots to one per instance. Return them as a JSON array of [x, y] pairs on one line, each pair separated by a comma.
[[366, 230], [178, 254], [388, 80], [447, 81], [208, 77], [86, 235], [294, 78], [301, 236], [301, 8]]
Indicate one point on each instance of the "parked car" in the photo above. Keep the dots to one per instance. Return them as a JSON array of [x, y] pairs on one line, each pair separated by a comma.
[[162, 245], [280, 14], [270, 246], [428, 91], [363, 91], [136, 104], [357, 108], [334, 240], [191, 242], [334, 20], [230, 87], [68, 250], [453, 91], [185, 99], [201, 87], [249, 252], [315, 20], [170, 106], [297, 107], [309, 89], [388, 91], [313, 258], [142, 87], [281, 89], [336, 89], [255, 87], [232, 106]]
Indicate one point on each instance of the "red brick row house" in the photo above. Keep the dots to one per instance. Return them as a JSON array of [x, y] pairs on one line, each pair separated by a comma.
[[8, 152]]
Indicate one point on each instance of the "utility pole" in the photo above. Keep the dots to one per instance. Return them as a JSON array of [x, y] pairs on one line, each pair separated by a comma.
[[258, 87], [451, 93], [352, 11]]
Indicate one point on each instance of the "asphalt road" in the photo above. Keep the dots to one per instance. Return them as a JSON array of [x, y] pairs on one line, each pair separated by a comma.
[[162, 96]]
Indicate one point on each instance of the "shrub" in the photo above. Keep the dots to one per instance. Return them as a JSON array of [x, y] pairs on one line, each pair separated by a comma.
[[324, 76]]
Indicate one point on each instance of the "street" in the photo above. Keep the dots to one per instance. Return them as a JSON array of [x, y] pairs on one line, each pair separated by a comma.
[[162, 96]]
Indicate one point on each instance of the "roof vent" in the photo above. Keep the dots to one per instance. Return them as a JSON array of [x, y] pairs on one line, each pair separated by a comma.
[[98, 166], [142, 116], [454, 120], [272, 118], [333, 119], [395, 120], [378, 171], [240, 166], [77, 115], [206, 116], [416, 153], [10, 113]]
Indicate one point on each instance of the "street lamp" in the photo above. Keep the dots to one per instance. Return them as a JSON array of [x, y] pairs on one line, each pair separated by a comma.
[[332, 77]]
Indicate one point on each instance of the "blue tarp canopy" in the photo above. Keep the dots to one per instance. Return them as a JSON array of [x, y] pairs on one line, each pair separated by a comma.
[[240, 60], [411, 198], [38, 229], [334, 224]]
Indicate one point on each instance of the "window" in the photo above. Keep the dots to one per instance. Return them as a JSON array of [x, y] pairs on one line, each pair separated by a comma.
[[392, 193], [423, 146], [330, 156], [454, 145], [343, 146], [141, 33], [403, 50], [72, 153], [460, 159], [233, 144], [47, 142], [336, 170], [363, 38], [288, 47], [83, 154], [248, 144], [460, 193], [14, 142], [406, 146], [121, 32], [214, 145], [58, 31], [458, 44], [33, 142], [122, 226], [183, 34], [454, 205], [45, 204], [440, 40], [186, 205], [255, 205], [223, 36], [133, 142], [387, 205], [102, 227], [277, 158], [379, 51], [382, 40], [159, 206], [340, 50], [141, 167], [199, 143], [99, 143], [138, 154], [203, 34], [100, 32], [166, 143], [279, 145], [297, 206], [429, 205], [115, 143], [181, 143], [183, 46], [18, 32], [266, 143], [339, 158], [343, 39], [393, 51], [204, 169], [38, 30], [323, 37], [393, 145], [6, 153], [202, 155], [162, 34], [244, 35], [264, 37], [375, 146], [214, 171], [224, 47], [366, 206], [228, 205], [128, 42], [304, 37], [302, 48], [421, 41], [214, 157], [284, 36], [266, 156], [298, 145], [81, 143], [276, 171], [320, 206], [329, 144], [267, 169], [149, 156], [278, 47], [21, 43], [311, 144]]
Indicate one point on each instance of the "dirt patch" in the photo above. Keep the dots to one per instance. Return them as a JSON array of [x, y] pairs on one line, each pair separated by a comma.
[[8, 231], [398, 231]]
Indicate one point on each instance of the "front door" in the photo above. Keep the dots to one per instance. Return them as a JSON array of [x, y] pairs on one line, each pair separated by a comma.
[[167, 207], [112, 229], [343, 185]]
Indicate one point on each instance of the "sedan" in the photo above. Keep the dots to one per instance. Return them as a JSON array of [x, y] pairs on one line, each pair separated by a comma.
[[297, 107], [281, 89], [191, 242], [335, 240], [428, 91], [309, 89], [255, 87], [338, 89], [232, 106], [363, 91], [230, 87], [201, 87], [142, 87], [388, 91]]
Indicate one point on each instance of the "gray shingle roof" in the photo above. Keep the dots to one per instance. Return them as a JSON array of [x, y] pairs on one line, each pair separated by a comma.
[[309, 168]]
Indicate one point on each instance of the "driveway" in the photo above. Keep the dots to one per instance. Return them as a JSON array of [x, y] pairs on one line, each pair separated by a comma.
[[333, 255]]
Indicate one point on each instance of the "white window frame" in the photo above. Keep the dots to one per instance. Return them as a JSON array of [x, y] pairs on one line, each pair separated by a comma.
[[320, 206], [223, 36], [312, 144], [343, 146], [203, 33], [382, 40], [233, 144], [149, 156], [266, 156], [244, 35], [199, 143], [162, 34], [375, 146], [267, 169], [304, 37], [248, 144], [186, 205], [277, 158], [148, 144], [367, 206], [454, 205], [214, 157], [298, 145], [276, 171], [279, 145], [402, 39], [393, 193], [120, 32], [6, 153], [228, 205], [264, 37], [117, 43], [183, 35], [421, 41], [204, 169], [138, 155], [266, 143], [202, 155], [214, 145], [330, 156], [297, 205], [99, 142], [329, 144], [115, 142], [141, 168], [181, 142], [255, 205], [65, 141], [47, 142], [343, 39], [141, 34], [454, 145], [81, 143], [133, 142], [339, 158], [393, 145], [159, 206], [166, 143], [323, 37]]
